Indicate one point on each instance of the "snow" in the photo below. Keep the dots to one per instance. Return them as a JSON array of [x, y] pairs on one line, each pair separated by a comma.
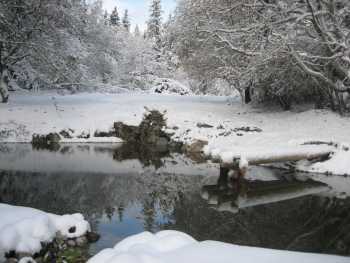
[[26, 260], [243, 163], [283, 132], [24, 229], [174, 247], [338, 164]]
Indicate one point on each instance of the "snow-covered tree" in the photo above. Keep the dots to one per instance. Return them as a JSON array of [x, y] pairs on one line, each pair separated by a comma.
[[126, 21], [137, 32], [106, 18], [20, 25], [114, 19], [56, 44], [285, 51], [154, 23]]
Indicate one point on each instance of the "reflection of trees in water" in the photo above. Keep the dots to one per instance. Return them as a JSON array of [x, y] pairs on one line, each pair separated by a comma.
[[95, 195], [148, 156], [14, 153], [310, 223], [149, 211], [327, 228], [120, 210]]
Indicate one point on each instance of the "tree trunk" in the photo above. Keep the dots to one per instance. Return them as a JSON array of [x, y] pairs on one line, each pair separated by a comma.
[[4, 93], [247, 95]]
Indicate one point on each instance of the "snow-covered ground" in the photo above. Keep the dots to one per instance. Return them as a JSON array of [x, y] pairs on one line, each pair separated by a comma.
[[24, 229], [174, 247], [189, 117]]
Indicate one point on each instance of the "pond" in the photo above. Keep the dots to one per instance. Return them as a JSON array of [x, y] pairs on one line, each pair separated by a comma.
[[123, 191]]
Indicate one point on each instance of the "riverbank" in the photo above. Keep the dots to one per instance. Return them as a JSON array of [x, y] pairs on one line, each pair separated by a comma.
[[230, 128]]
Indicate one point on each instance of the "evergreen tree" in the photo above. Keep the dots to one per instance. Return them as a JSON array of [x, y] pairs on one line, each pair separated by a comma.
[[126, 22], [115, 21], [105, 17], [137, 32], [155, 23]]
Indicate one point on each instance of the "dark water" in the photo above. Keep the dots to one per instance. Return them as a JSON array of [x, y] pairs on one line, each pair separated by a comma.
[[124, 191]]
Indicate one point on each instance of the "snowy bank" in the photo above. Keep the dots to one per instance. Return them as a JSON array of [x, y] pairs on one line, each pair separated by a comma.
[[24, 230], [175, 247], [230, 128]]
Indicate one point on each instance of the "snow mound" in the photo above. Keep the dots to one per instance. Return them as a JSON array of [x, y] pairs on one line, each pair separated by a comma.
[[175, 247], [26, 260], [24, 229], [337, 164], [170, 86], [144, 248]]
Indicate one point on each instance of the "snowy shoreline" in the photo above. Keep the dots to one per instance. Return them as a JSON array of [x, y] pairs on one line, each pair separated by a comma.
[[230, 128]]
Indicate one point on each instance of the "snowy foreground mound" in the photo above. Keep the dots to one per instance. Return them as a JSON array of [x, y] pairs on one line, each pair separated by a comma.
[[175, 247], [23, 229]]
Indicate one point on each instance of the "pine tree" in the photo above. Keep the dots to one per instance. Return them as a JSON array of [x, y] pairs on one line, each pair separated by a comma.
[[137, 32], [155, 23], [126, 22], [115, 21], [105, 17]]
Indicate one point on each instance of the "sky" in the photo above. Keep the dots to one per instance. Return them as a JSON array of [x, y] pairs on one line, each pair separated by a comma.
[[138, 9]]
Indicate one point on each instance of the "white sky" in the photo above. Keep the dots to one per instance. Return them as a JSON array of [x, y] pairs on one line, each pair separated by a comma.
[[138, 9]]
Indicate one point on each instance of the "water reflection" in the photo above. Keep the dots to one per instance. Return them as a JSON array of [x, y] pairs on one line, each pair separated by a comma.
[[123, 192], [229, 194]]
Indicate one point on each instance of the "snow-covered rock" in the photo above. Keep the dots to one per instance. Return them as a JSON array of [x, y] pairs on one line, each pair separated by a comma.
[[175, 247], [24, 229]]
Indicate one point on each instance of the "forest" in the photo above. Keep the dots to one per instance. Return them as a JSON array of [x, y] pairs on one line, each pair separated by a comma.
[[269, 51]]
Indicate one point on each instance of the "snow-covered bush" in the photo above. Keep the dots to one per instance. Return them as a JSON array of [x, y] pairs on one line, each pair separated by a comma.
[[170, 86]]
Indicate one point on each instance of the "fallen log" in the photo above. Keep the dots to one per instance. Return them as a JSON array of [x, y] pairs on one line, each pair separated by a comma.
[[289, 158], [236, 163]]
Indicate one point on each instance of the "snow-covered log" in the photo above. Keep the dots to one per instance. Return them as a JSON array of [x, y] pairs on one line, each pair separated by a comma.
[[288, 158], [237, 163]]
